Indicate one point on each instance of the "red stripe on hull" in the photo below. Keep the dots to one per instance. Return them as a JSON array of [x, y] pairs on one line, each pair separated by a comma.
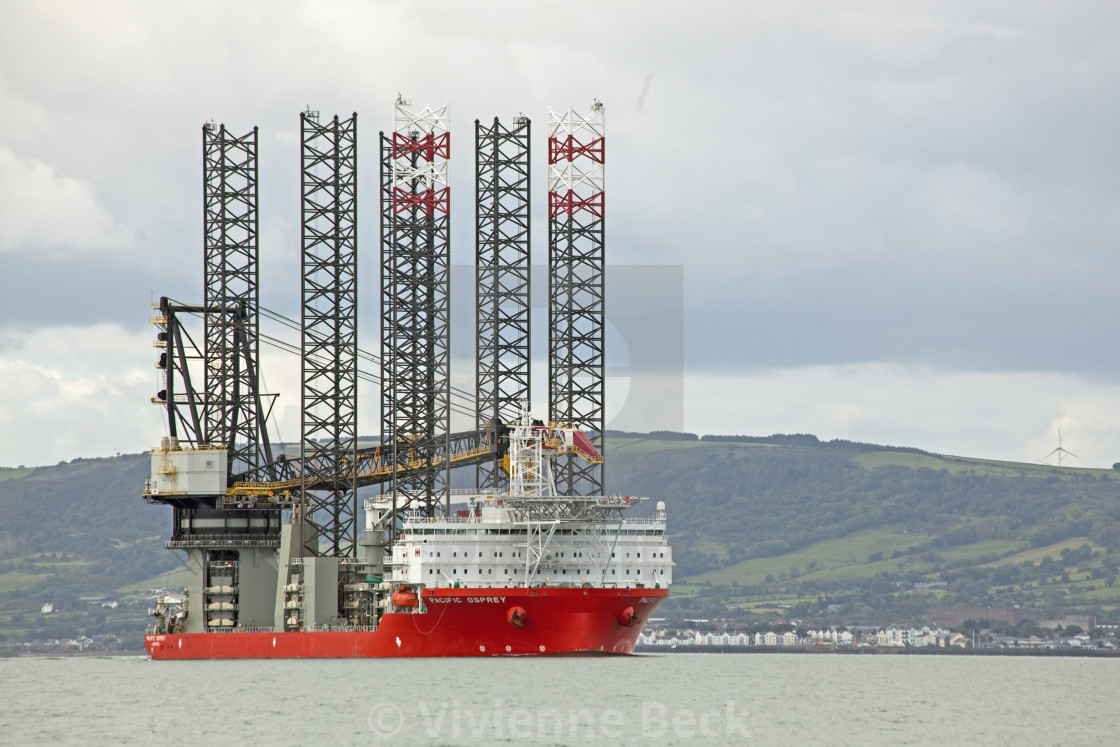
[[457, 622]]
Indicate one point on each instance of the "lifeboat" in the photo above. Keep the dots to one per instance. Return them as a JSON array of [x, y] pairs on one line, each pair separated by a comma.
[[405, 597]]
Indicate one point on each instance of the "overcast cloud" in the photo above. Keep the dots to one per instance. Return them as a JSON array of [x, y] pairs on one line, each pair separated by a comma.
[[898, 222]]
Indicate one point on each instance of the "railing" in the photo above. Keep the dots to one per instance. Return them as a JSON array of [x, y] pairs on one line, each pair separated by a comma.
[[583, 454], [249, 629], [221, 540], [443, 519], [198, 447], [306, 629], [415, 523]]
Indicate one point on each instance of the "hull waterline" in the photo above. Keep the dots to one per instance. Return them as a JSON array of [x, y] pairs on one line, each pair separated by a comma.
[[454, 622]]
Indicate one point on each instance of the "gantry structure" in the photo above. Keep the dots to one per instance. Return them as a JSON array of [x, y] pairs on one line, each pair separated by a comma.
[[231, 287], [211, 379], [328, 504], [502, 281], [577, 285], [416, 301]]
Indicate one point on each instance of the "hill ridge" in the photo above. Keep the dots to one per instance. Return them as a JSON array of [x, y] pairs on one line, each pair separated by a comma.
[[835, 529]]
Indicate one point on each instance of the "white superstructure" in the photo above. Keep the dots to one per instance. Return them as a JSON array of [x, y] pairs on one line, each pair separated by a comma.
[[530, 537]]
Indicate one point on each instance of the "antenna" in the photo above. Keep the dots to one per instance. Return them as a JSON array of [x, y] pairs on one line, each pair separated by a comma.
[[1060, 451]]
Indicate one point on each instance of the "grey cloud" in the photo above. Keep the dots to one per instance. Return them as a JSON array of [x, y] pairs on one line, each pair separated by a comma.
[[928, 182]]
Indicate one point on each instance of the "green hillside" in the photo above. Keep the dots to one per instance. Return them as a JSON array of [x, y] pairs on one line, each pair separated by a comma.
[[78, 529], [776, 526], [875, 533]]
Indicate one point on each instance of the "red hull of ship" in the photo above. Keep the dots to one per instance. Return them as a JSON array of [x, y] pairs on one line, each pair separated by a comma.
[[457, 622]]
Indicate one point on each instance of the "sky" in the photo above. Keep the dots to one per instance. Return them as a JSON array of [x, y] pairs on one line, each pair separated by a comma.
[[894, 222]]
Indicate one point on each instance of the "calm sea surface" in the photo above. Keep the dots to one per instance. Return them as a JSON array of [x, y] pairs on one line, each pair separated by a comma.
[[667, 699]]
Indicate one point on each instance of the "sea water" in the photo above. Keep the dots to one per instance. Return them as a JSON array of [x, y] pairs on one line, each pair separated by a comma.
[[650, 699]]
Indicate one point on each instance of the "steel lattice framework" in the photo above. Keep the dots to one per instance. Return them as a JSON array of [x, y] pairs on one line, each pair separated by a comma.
[[502, 270], [230, 288], [180, 355], [576, 286], [415, 297], [329, 340]]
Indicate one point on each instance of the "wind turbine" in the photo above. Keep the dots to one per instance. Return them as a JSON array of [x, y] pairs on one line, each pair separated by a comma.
[[1060, 451]]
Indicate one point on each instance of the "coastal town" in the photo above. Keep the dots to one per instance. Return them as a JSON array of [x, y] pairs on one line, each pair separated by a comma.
[[1063, 632]]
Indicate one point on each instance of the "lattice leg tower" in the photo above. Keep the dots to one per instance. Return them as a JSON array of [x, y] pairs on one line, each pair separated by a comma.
[[576, 286], [502, 278], [329, 344], [415, 296], [230, 287]]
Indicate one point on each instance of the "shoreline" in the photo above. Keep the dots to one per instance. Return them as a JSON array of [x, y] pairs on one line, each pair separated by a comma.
[[139, 653], [881, 651], [658, 650]]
